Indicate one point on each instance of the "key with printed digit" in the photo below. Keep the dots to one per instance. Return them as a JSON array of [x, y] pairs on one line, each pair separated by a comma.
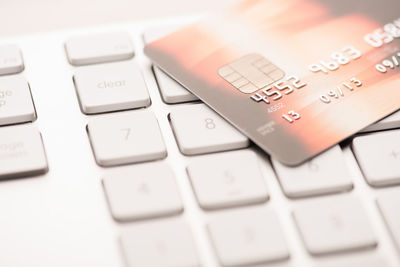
[[332, 225], [227, 180], [127, 137], [200, 130], [142, 192], [159, 243], [326, 173], [248, 237], [378, 155]]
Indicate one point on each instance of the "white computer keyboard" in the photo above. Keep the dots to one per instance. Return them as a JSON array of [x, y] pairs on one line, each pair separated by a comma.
[[119, 165]]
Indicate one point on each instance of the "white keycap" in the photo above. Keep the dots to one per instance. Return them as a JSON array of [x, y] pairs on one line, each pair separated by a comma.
[[142, 192], [100, 48], [353, 260], [16, 103], [390, 122], [162, 243], [171, 91], [227, 180], [200, 130], [326, 173], [10, 60], [329, 225], [378, 155], [389, 204], [111, 87], [21, 152], [247, 237], [126, 137]]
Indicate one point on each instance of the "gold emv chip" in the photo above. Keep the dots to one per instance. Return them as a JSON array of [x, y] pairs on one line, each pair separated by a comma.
[[251, 73]]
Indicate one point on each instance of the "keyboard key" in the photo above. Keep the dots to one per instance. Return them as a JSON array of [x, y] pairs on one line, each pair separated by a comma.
[[127, 137], [326, 173], [111, 87], [171, 91], [354, 260], [389, 204], [334, 225], [163, 243], [247, 237], [16, 103], [100, 48], [21, 152], [200, 130], [378, 155], [10, 60], [142, 192], [390, 122], [227, 180]]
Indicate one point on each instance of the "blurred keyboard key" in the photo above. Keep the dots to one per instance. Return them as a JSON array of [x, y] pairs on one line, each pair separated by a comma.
[[16, 103], [162, 243], [200, 130], [111, 87], [227, 180], [247, 237], [21, 152], [100, 48], [334, 225], [353, 260], [142, 192], [326, 173], [10, 60], [389, 204], [378, 155], [127, 137], [171, 91]]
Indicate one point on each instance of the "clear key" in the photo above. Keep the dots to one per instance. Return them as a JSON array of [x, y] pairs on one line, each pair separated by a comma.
[[100, 48], [200, 130], [16, 103], [111, 87], [21, 152], [127, 137]]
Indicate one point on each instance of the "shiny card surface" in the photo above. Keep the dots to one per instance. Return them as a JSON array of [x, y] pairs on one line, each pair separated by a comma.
[[295, 76]]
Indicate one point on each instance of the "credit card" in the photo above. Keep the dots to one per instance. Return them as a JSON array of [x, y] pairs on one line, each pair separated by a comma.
[[295, 76]]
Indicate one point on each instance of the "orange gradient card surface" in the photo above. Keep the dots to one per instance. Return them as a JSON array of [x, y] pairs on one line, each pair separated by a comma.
[[295, 76]]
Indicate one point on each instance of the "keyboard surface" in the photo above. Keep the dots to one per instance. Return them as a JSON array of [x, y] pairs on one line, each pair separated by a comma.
[[107, 161]]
